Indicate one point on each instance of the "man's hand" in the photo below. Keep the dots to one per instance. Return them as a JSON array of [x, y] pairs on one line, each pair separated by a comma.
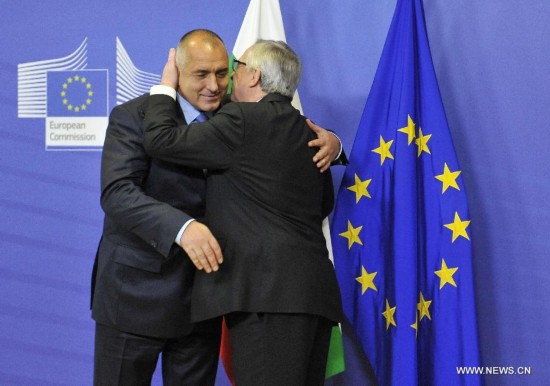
[[170, 72], [328, 144], [201, 247]]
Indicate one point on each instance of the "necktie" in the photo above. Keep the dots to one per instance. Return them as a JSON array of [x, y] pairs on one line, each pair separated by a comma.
[[200, 118]]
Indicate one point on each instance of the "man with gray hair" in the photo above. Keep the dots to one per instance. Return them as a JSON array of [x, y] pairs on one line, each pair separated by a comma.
[[279, 66], [266, 202]]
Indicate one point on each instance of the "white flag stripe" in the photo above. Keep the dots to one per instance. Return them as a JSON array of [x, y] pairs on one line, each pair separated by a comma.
[[263, 20]]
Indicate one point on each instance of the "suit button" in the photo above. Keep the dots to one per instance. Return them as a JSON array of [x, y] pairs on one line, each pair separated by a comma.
[[154, 244]]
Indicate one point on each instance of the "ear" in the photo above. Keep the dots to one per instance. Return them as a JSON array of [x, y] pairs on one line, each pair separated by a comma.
[[255, 79]]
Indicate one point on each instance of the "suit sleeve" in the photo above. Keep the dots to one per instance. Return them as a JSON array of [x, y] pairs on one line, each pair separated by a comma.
[[124, 170], [208, 145], [341, 160]]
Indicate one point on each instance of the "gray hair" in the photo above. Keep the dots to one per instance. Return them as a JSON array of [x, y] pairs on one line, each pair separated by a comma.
[[279, 66]]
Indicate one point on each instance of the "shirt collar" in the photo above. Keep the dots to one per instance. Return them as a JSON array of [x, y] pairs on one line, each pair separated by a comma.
[[189, 111]]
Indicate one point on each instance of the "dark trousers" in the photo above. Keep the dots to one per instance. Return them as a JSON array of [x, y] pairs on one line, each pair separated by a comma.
[[271, 349], [123, 359]]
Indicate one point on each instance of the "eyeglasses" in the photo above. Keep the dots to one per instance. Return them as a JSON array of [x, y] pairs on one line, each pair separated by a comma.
[[236, 64]]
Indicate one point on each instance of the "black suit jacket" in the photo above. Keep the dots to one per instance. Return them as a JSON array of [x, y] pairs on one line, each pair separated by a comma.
[[142, 279], [266, 202]]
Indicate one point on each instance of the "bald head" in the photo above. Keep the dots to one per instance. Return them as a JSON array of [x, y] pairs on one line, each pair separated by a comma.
[[199, 39]]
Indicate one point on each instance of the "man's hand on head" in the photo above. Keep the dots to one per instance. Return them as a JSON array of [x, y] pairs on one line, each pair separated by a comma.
[[170, 72]]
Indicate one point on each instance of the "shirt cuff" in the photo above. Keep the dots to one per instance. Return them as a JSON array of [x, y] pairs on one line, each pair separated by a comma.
[[183, 228], [161, 89], [341, 146]]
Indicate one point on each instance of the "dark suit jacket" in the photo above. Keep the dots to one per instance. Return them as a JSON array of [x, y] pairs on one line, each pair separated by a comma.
[[142, 278], [266, 202]]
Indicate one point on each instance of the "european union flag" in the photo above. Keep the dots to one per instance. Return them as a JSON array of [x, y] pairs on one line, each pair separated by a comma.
[[77, 93], [401, 230]]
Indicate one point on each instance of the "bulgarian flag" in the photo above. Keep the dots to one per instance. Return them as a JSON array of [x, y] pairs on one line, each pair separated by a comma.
[[263, 20]]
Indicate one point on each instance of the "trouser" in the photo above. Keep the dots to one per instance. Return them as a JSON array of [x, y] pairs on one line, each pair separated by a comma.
[[273, 349], [124, 359]]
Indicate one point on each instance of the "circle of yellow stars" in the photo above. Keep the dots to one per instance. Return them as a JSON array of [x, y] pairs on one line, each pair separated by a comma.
[[458, 227], [71, 82]]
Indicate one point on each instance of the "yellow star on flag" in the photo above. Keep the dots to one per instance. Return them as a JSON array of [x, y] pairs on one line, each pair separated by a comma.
[[423, 307], [367, 280], [352, 234], [360, 188], [448, 178], [384, 150], [422, 142], [388, 314], [409, 129], [458, 227], [446, 274]]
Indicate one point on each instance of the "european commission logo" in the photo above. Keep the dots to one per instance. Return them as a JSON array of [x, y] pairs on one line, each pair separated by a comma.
[[77, 93], [77, 109], [73, 99]]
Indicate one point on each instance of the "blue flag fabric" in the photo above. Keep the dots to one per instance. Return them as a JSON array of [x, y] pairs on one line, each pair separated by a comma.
[[77, 93], [401, 229]]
